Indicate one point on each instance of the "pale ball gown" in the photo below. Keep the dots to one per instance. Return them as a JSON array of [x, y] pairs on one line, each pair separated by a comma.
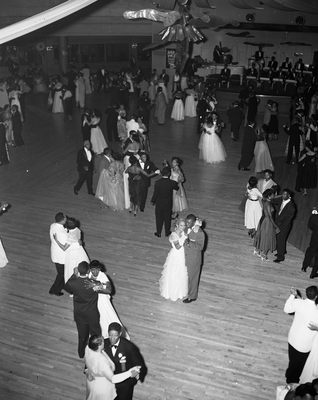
[[73, 254], [179, 200], [106, 310], [211, 147], [190, 104], [173, 283], [99, 364], [178, 110], [110, 187], [97, 138], [3, 257], [263, 159], [253, 209]]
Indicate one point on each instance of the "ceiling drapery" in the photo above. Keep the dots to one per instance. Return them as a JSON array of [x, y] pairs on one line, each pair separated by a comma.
[[42, 19], [242, 4], [277, 6], [309, 6]]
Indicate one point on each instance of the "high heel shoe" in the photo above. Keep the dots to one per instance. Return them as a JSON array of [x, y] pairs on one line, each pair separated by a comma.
[[129, 211], [257, 253], [263, 257], [135, 214], [303, 269]]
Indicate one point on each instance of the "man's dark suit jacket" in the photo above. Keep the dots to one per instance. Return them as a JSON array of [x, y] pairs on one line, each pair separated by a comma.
[[85, 301], [313, 226], [86, 128], [284, 219], [166, 78], [225, 74], [149, 167], [162, 195], [102, 79], [133, 359], [82, 162]]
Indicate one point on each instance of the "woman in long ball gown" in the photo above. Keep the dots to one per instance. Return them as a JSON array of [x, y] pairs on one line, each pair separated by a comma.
[[137, 186], [190, 108], [131, 148], [265, 239], [100, 382], [97, 138], [4, 158], [7, 119], [17, 126], [253, 208], [57, 99], [80, 91], [173, 283], [14, 96], [161, 105], [106, 310], [4, 98], [87, 79], [110, 187], [75, 252], [273, 130], [263, 159], [210, 145], [307, 169], [178, 107], [180, 202]]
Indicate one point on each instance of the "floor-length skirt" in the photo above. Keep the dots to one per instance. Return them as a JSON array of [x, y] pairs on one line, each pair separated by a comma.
[[97, 140], [263, 159], [3, 257], [265, 239], [211, 149], [180, 202], [108, 315], [178, 110], [100, 388], [57, 103], [73, 256], [190, 107], [110, 193], [310, 371], [126, 183], [173, 283], [253, 214]]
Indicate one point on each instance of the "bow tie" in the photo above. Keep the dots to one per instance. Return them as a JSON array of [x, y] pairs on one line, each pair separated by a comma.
[[113, 345]]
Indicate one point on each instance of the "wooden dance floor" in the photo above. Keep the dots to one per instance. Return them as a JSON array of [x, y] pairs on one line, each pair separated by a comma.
[[230, 343]]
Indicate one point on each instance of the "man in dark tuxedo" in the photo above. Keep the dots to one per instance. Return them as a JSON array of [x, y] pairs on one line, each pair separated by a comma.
[[202, 107], [283, 220], [225, 75], [200, 87], [312, 250], [248, 144], [125, 355], [165, 77], [149, 167], [295, 131], [299, 65], [102, 77], [111, 123], [259, 54], [162, 198], [86, 125], [286, 64], [85, 169], [86, 315], [273, 64]]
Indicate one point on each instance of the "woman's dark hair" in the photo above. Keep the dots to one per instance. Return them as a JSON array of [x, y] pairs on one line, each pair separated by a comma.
[[177, 159], [252, 182], [209, 120], [71, 223], [133, 160], [95, 341], [159, 90], [309, 144], [117, 156], [268, 171], [268, 193]]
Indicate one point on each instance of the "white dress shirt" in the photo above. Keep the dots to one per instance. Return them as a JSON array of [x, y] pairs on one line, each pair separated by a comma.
[[88, 154], [300, 336], [284, 202], [57, 254]]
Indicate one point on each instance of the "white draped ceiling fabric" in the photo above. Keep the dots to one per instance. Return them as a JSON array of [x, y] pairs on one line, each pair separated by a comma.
[[43, 19], [308, 6]]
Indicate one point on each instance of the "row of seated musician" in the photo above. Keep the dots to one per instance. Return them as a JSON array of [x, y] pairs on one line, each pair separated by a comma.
[[306, 77], [284, 87]]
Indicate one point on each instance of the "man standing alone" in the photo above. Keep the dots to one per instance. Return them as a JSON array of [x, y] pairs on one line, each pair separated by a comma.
[[162, 198], [85, 169]]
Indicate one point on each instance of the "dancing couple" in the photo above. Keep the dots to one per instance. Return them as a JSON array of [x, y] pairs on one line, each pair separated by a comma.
[[181, 271]]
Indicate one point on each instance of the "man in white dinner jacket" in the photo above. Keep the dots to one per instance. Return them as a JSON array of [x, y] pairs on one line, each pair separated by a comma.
[[302, 332]]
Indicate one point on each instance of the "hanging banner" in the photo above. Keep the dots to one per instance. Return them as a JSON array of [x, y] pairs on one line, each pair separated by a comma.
[[170, 58]]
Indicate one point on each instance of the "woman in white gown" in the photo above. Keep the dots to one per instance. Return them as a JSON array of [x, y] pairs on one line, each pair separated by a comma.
[[173, 283], [100, 382], [105, 307], [178, 107], [87, 79], [161, 83], [97, 138], [179, 199], [75, 252], [3, 257], [110, 187], [190, 103], [57, 98], [210, 145], [14, 98], [263, 159], [253, 208]]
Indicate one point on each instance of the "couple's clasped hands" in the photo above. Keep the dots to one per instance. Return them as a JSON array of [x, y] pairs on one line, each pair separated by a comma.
[[135, 371]]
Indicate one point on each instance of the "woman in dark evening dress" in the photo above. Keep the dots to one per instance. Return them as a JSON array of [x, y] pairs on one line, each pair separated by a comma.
[[265, 239], [136, 184], [3, 145], [307, 169], [17, 126]]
